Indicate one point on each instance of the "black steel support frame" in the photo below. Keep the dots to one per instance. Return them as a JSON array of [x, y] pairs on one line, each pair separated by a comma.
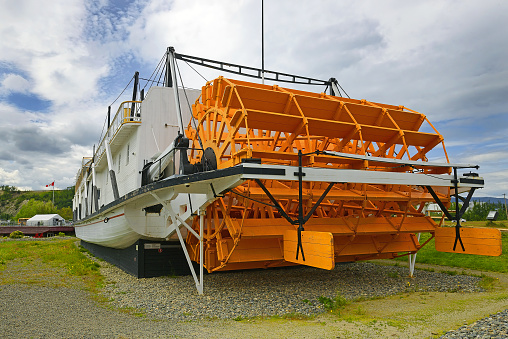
[[458, 213], [256, 72], [301, 219]]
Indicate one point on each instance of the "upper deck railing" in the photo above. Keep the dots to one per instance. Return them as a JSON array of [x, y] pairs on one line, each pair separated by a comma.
[[85, 163], [128, 113]]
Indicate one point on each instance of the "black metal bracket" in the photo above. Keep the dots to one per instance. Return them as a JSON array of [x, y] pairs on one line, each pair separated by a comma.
[[458, 213], [301, 219], [275, 202]]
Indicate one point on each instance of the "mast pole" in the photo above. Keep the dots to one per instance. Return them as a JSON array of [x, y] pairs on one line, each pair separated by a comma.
[[262, 43], [171, 56], [134, 92]]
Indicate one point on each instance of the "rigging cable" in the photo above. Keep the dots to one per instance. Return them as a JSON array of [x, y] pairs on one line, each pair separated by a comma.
[[190, 108], [100, 137], [342, 89], [122, 91], [150, 80], [163, 71], [154, 72], [195, 70]]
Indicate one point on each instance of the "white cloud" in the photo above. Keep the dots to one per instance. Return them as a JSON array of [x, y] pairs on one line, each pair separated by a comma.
[[47, 43], [487, 157], [496, 184], [14, 83], [9, 178]]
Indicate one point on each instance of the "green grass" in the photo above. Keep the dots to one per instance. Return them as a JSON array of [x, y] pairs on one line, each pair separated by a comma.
[[487, 282], [41, 256], [429, 255], [335, 304]]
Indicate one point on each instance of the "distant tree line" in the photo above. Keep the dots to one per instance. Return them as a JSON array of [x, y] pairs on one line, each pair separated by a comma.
[[63, 198], [33, 207], [478, 211], [38, 202], [7, 188]]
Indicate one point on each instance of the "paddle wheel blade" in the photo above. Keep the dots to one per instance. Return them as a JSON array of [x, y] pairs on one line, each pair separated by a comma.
[[480, 241], [319, 249]]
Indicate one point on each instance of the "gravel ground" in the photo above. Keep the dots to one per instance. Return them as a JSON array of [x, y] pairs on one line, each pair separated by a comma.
[[493, 326], [251, 293], [174, 309]]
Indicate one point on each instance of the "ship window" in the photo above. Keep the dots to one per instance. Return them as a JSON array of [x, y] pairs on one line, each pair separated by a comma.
[[119, 162], [127, 158]]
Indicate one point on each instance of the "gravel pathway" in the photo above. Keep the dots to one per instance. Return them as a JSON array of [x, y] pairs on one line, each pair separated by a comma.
[[251, 293], [493, 326]]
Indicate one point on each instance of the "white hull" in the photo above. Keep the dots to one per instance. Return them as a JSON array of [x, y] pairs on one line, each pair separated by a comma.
[[133, 216], [112, 232]]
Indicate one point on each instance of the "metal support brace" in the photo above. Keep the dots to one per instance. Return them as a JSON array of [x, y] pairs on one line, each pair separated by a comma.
[[199, 282], [201, 249], [458, 213], [94, 190], [299, 246], [412, 260], [109, 158]]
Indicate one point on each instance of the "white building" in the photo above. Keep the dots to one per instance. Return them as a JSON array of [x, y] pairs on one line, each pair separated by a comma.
[[46, 220]]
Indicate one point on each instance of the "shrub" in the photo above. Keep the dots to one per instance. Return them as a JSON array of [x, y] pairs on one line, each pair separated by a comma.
[[16, 234], [61, 234]]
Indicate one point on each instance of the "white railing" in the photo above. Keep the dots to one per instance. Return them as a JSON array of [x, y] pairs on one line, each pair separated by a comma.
[[85, 162], [123, 116]]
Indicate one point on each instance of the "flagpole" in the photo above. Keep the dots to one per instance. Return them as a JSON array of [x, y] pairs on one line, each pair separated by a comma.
[[53, 193]]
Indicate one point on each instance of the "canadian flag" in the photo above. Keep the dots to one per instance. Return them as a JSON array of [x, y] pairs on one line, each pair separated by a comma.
[[52, 184]]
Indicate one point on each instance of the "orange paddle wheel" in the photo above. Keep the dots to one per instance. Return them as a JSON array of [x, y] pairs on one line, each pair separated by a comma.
[[239, 122]]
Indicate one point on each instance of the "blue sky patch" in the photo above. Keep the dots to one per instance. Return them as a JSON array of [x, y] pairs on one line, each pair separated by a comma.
[[29, 102]]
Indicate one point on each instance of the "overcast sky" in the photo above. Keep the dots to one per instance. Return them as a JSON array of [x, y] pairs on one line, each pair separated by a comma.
[[63, 62]]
